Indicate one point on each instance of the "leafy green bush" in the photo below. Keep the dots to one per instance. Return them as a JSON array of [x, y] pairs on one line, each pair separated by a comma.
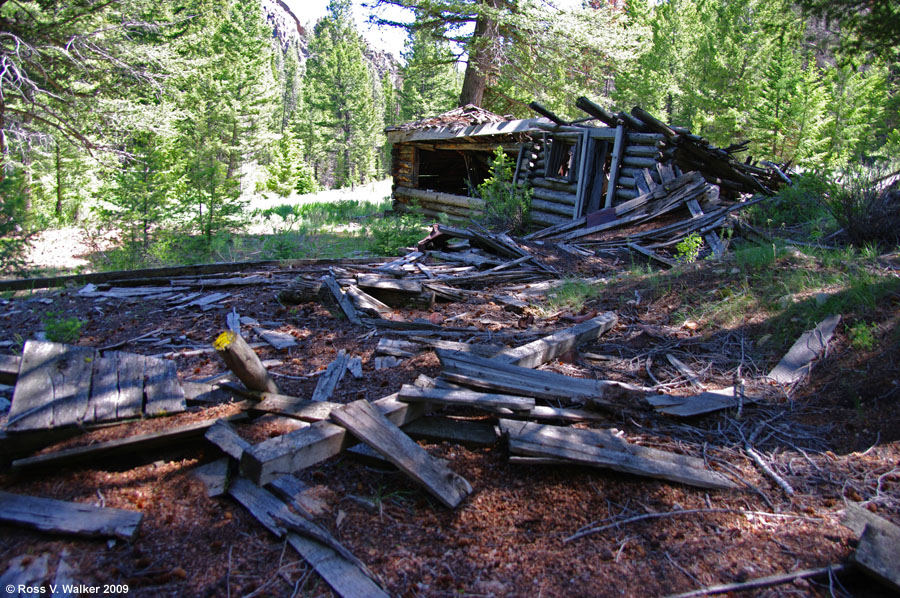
[[506, 206], [866, 212], [689, 248], [797, 204], [392, 233], [60, 329]]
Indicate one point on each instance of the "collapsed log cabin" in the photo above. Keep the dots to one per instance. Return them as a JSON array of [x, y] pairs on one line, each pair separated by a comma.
[[573, 168]]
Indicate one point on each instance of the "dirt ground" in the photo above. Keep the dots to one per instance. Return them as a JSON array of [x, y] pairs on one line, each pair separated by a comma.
[[512, 536]]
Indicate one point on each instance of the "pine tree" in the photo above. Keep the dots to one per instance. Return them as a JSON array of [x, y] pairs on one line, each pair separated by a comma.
[[227, 103], [343, 125], [430, 79]]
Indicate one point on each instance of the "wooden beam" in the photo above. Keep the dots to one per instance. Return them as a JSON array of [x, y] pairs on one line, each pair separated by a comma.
[[618, 148], [370, 426], [550, 347], [59, 516], [468, 398], [328, 381], [299, 449], [244, 362]]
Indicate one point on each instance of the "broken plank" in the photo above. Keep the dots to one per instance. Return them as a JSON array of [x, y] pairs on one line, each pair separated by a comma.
[[346, 575], [366, 303], [445, 429], [223, 435], [545, 349], [705, 402], [244, 362], [342, 300], [53, 387], [279, 340], [878, 551], [468, 398], [300, 496], [599, 448], [371, 281], [370, 426], [214, 476], [295, 407], [25, 574], [855, 517], [652, 255], [162, 391], [51, 515], [328, 381], [122, 446], [322, 440], [798, 361]]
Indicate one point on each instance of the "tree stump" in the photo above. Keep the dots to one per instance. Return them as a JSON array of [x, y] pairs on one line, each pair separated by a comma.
[[301, 290], [243, 361]]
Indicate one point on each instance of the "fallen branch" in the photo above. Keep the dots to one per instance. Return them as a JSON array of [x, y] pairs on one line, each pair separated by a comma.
[[595, 530], [762, 582], [757, 458]]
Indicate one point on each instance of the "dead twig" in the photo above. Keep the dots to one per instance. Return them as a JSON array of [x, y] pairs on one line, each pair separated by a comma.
[[762, 582], [646, 516], [757, 458]]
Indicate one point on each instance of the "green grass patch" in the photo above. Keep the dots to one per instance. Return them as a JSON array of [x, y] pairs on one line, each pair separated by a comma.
[[571, 295]]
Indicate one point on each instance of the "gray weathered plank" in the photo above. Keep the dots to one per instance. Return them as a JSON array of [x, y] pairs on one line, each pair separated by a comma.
[[460, 431], [299, 495], [122, 446], [343, 301], [53, 386], [223, 435], [798, 361], [878, 554], [705, 402], [372, 281], [541, 351], [279, 340], [468, 398], [51, 515], [338, 567], [117, 387], [214, 476], [162, 391], [328, 381], [373, 428], [299, 449], [302, 409], [24, 572], [9, 368], [603, 449]]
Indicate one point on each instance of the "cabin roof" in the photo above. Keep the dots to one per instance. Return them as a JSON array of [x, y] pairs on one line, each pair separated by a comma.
[[466, 121]]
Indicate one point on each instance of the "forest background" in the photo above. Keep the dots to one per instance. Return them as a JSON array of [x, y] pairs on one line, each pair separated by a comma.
[[157, 121]]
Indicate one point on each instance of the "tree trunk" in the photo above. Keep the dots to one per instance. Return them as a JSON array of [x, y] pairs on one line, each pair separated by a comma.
[[59, 187], [482, 54]]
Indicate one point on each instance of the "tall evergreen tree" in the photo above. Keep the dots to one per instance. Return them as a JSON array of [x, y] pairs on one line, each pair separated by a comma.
[[344, 125], [430, 79]]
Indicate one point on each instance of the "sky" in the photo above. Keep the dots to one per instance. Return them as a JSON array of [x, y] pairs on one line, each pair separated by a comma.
[[381, 38]]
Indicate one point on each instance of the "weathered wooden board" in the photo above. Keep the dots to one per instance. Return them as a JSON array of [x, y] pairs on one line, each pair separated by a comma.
[[53, 386], [705, 402], [117, 387], [223, 435], [51, 515], [297, 450], [279, 340], [302, 409], [366, 303], [343, 301], [506, 378], [122, 446], [299, 495], [856, 518], [445, 429], [214, 476], [328, 381], [162, 392], [347, 576], [468, 398], [541, 351], [372, 281], [811, 344], [878, 554], [600, 448], [373, 428]]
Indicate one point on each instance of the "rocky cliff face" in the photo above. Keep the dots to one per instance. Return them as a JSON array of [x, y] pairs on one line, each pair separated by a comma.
[[289, 31]]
